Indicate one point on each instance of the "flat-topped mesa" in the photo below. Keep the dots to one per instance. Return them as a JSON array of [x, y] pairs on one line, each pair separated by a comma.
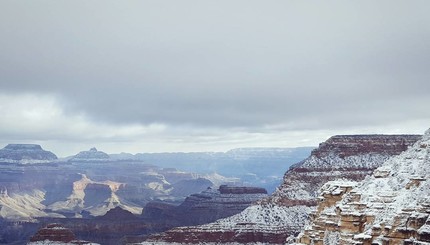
[[351, 145], [25, 153]]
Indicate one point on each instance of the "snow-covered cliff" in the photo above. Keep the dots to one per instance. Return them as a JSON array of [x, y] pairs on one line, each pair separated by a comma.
[[390, 207]]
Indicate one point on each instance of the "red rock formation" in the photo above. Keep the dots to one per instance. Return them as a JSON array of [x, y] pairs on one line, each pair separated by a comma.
[[56, 233]]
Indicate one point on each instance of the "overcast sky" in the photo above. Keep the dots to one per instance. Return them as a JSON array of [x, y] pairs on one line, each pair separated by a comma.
[[154, 76]]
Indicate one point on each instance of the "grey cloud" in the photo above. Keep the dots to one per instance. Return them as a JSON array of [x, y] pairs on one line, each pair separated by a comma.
[[222, 64]]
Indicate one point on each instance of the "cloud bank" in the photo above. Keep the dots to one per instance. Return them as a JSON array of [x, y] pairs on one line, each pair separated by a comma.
[[195, 74]]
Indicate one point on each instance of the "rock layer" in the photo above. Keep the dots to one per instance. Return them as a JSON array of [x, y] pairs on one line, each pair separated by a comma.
[[55, 234], [390, 207]]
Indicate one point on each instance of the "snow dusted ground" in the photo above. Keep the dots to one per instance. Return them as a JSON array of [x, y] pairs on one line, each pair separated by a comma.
[[332, 160], [47, 242], [203, 243], [264, 217], [401, 171], [396, 196]]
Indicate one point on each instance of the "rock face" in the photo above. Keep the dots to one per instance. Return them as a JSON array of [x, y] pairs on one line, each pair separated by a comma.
[[54, 232], [25, 153], [390, 207], [204, 207], [94, 197], [285, 213], [351, 157]]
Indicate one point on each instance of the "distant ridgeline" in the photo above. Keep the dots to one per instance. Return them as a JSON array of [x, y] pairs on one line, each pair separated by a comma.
[[93, 155], [254, 166]]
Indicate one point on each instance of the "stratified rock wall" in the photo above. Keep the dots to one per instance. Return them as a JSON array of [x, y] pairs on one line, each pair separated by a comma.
[[56, 234], [390, 207]]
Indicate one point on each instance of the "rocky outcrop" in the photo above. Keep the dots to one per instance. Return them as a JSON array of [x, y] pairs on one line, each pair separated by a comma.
[[285, 213], [390, 207], [55, 234], [25, 153]]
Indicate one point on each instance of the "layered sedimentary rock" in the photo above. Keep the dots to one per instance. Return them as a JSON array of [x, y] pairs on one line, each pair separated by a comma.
[[94, 197], [284, 214], [25, 153], [390, 207], [351, 157], [55, 234]]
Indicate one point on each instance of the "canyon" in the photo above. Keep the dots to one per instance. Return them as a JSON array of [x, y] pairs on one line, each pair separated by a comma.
[[107, 200], [280, 217], [38, 188]]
